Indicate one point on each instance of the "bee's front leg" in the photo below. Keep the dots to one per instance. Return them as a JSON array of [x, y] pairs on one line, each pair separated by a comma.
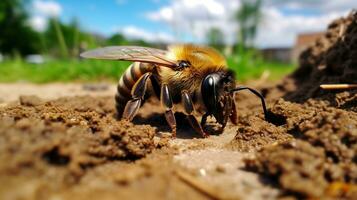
[[204, 119], [166, 102], [189, 109], [138, 92]]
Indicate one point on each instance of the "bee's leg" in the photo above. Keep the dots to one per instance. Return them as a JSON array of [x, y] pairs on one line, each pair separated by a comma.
[[204, 119], [189, 109], [156, 86], [138, 92], [166, 102]]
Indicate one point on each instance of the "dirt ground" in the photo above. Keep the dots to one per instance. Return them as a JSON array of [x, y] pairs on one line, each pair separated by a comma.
[[64, 142]]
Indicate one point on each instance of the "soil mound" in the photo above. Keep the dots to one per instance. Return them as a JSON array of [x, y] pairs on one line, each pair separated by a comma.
[[331, 59], [320, 159]]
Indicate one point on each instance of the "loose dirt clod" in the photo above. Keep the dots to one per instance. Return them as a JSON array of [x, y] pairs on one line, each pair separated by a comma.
[[30, 100], [254, 133]]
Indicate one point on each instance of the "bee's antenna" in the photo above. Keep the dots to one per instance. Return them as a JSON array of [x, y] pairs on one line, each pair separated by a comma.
[[257, 94]]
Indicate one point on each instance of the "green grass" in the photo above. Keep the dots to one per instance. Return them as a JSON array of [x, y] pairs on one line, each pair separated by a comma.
[[251, 70], [98, 70], [62, 71]]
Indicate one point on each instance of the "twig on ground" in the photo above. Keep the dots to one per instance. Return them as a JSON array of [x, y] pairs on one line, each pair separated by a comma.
[[338, 86]]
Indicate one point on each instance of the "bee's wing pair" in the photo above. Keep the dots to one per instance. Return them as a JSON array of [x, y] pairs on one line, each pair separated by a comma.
[[131, 53]]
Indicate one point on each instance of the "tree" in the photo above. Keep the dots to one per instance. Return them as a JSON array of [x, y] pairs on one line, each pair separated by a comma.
[[66, 39], [117, 39], [248, 18], [215, 38], [16, 36]]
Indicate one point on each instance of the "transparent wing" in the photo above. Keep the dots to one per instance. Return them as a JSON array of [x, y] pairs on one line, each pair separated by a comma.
[[131, 53]]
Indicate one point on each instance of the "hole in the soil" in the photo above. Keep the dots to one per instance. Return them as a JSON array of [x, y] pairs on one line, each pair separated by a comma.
[[276, 119], [333, 156], [346, 140], [347, 178], [327, 176], [295, 132], [55, 158], [116, 137]]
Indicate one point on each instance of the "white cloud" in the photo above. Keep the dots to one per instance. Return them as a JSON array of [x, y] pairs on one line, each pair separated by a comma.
[[133, 32], [41, 11], [319, 5], [196, 17], [280, 30], [38, 23], [47, 8]]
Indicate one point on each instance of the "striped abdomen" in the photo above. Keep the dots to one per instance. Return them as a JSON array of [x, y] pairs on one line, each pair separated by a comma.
[[126, 83]]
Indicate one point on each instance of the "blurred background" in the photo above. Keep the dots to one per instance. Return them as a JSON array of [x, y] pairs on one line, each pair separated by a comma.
[[40, 40]]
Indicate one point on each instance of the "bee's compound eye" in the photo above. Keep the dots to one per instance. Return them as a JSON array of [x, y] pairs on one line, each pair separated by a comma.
[[209, 92], [184, 64], [210, 82]]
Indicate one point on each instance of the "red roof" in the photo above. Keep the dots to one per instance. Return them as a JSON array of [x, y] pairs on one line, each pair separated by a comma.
[[305, 39]]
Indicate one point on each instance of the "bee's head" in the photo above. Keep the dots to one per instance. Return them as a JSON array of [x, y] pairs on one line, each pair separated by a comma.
[[216, 95]]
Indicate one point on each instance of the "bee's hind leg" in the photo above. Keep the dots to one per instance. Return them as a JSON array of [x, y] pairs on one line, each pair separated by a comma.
[[166, 102], [138, 92], [189, 109]]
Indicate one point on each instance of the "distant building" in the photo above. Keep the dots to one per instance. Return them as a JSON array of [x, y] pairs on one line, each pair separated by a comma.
[[303, 41], [277, 54]]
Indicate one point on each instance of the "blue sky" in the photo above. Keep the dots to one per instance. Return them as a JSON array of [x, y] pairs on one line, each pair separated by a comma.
[[106, 15], [190, 20]]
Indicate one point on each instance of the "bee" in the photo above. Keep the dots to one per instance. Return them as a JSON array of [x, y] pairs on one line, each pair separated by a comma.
[[190, 78]]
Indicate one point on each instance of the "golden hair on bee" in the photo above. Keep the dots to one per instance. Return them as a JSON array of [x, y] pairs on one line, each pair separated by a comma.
[[200, 57]]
